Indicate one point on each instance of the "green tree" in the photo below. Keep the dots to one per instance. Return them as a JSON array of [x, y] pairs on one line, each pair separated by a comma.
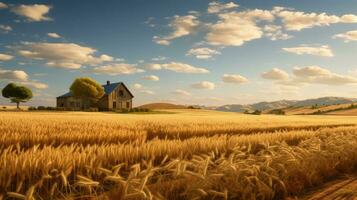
[[16, 93], [87, 88]]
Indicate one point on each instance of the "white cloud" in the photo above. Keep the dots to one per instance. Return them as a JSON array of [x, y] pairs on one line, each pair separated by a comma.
[[236, 28], [35, 12], [5, 57], [310, 71], [159, 58], [182, 92], [16, 75], [160, 41], [137, 86], [275, 32], [149, 92], [275, 74], [154, 66], [34, 84], [178, 67], [216, 7], [348, 36], [53, 35], [5, 28], [319, 75], [21, 77], [349, 18], [234, 78], [204, 85], [202, 53], [3, 5], [316, 75], [181, 25], [117, 69], [297, 20], [151, 78], [323, 50], [62, 55]]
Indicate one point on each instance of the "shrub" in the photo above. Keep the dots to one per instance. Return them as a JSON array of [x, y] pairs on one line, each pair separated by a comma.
[[277, 112], [32, 108], [41, 108], [257, 112], [93, 109]]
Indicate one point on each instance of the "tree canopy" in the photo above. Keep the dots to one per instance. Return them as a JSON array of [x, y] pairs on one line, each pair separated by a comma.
[[87, 88], [17, 93]]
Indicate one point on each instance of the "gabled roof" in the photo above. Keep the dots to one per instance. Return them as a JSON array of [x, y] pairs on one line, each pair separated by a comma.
[[107, 89]]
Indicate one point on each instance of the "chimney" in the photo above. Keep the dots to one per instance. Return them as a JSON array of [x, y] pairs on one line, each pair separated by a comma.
[[108, 82]]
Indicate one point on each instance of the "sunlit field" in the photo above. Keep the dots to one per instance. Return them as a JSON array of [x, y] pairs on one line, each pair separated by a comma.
[[181, 154]]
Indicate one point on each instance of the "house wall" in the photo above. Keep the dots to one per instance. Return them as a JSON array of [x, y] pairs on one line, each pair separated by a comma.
[[70, 102], [103, 103], [121, 97]]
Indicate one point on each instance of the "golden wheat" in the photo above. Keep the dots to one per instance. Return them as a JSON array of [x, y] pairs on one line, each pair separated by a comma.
[[187, 155]]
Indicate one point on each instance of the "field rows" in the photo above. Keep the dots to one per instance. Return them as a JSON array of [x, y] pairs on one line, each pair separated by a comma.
[[174, 156]]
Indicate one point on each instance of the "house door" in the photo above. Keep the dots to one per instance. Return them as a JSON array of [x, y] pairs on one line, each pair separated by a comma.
[[114, 105]]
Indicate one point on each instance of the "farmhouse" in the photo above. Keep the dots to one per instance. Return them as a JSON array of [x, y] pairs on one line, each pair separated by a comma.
[[117, 96]]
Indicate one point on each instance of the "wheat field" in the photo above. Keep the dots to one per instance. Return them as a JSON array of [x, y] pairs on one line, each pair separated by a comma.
[[190, 154]]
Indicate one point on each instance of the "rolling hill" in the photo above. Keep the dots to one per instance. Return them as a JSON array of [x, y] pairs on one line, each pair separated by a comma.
[[155, 106], [293, 105]]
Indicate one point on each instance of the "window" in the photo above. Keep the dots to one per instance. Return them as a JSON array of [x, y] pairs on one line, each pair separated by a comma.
[[78, 104], [114, 104], [121, 93], [127, 104]]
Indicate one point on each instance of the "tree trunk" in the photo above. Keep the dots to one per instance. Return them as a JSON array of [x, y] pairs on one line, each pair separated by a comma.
[[17, 105]]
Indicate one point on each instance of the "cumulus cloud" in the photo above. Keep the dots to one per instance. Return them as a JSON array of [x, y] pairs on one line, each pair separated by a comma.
[[182, 92], [181, 25], [314, 75], [202, 53], [3, 5], [310, 71], [319, 75], [216, 7], [117, 69], [53, 35], [348, 36], [16, 75], [275, 74], [297, 20], [5, 28], [234, 78], [275, 32], [5, 57], [151, 78], [149, 92], [21, 77], [349, 18], [323, 50], [137, 86], [178, 67], [34, 13], [34, 84], [236, 28], [204, 85], [62, 55], [159, 58]]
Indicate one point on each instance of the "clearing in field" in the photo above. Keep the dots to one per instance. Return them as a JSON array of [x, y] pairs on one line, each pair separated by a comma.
[[192, 154]]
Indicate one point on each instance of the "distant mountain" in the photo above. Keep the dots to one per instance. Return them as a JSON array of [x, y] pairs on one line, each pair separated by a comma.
[[162, 106], [285, 103]]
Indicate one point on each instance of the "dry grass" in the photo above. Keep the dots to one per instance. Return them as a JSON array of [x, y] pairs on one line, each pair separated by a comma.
[[188, 155]]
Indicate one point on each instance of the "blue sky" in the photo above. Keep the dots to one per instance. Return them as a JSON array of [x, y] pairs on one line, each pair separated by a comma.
[[186, 52]]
